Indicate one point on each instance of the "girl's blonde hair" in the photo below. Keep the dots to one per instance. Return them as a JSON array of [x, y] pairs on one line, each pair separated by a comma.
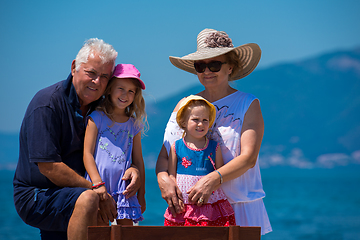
[[189, 103], [135, 110], [187, 109]]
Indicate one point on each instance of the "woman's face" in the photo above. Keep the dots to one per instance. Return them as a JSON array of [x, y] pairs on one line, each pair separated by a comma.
[[215, 79]]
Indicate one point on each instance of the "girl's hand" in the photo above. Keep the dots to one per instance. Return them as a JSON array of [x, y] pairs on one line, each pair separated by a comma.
[[101, 191], [142, 202]]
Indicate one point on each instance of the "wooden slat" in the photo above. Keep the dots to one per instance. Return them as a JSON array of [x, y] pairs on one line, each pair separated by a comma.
[[174, 233], [118, 232], [239, 233], [97, 232]]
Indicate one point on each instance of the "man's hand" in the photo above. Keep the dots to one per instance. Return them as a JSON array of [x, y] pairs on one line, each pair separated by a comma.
[[107, 210], [132, 174]]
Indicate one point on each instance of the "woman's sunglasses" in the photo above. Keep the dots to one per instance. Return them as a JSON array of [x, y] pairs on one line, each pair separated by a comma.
[[213, 66]]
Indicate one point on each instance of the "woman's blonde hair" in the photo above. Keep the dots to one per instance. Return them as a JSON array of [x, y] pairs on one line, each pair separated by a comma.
[[232, 58], [135, 110]]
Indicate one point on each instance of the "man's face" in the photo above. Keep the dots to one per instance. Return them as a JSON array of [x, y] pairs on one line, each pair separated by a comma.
[[91, 79]]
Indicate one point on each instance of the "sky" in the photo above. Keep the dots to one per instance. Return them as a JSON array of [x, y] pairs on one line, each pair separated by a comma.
[[39, 39]]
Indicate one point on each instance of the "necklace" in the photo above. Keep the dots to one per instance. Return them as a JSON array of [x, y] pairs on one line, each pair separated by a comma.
[[193, 145]]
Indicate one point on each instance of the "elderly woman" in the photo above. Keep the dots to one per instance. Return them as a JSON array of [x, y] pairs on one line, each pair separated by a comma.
[[238, 127]]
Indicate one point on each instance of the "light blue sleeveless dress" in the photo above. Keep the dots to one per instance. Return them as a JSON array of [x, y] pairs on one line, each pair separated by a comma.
[[113, 155]]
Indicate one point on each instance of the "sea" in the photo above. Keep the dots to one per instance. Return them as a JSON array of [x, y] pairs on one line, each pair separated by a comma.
[[314, 204]]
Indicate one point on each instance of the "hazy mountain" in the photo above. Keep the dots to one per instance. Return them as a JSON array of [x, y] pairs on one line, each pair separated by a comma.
[[9, 150], [311, 110]]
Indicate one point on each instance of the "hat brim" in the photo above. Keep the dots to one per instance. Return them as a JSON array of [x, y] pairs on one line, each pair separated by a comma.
[[186, 102], [142, 84], [249, 55]]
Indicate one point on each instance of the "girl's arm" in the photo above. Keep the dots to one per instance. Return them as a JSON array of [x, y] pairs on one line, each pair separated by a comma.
[[89, 161], [138, 161]]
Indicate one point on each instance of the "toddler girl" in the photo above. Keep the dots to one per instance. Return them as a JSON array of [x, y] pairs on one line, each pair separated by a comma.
[[192, 157]]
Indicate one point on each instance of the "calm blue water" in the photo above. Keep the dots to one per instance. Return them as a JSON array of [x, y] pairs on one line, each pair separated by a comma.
[[302, 204]]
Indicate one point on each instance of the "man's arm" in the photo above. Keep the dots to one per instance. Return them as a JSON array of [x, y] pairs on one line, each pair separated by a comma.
[[63, 176]]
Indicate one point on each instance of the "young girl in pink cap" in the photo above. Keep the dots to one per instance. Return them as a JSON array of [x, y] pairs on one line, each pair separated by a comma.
[[192, 157], [113, 142]]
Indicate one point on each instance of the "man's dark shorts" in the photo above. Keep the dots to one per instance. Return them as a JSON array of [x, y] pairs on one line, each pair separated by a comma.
[[52, 208]]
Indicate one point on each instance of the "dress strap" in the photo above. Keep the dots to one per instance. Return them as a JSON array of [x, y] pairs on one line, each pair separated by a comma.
[[212, 162]]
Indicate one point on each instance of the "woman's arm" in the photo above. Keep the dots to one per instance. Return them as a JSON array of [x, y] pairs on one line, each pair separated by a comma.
[[219, 162], [251, 137], [172, 162], [138, 161], [169, 190]]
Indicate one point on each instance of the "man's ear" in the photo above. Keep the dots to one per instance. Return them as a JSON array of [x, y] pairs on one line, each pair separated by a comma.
[[73, 69]]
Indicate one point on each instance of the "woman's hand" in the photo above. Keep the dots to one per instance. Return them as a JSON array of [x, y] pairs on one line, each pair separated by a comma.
[[133, 174], [170, 193], [200, 193]]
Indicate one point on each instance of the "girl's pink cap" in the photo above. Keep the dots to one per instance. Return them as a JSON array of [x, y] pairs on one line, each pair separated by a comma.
[[128, 71]]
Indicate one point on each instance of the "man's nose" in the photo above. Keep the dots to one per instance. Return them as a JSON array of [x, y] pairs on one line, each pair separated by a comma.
[[96, 80]]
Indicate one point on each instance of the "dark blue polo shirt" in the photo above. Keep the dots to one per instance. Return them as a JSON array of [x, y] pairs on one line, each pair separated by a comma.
[[52, 130]]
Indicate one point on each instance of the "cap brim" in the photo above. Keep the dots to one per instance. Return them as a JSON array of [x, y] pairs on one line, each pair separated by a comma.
[[142, 84]]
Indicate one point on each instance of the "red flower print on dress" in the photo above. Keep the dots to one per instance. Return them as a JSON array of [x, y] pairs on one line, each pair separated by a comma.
[[186, 163]]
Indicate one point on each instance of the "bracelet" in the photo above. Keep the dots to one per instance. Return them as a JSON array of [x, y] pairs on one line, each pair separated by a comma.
[[221, 178], [98, 185]]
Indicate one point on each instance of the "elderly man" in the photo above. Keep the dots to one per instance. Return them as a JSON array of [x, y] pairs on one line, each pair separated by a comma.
[[50, 192]]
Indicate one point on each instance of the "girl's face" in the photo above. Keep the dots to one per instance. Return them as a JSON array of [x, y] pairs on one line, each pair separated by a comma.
[[197, 122], [122, 93]]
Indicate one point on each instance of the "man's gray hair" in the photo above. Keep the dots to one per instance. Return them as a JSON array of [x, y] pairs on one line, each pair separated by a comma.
[[95, 46]]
